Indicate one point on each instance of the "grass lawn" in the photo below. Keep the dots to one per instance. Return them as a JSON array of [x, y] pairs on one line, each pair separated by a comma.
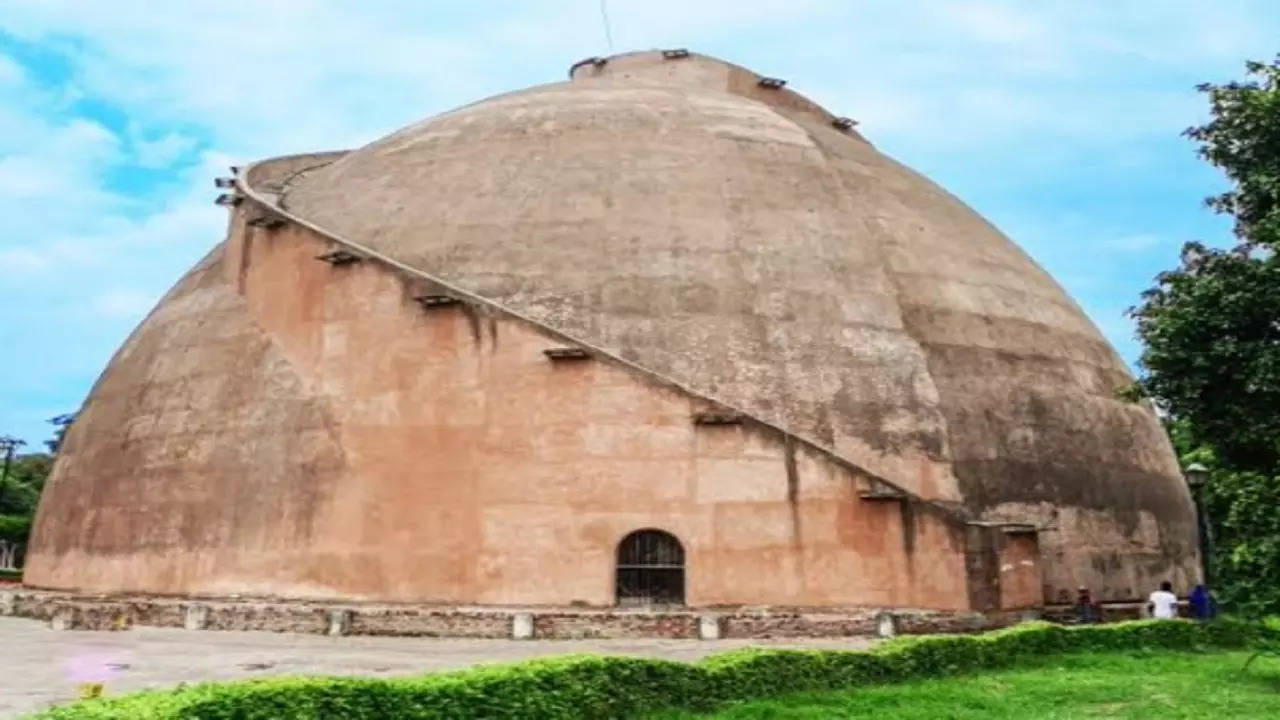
[[1163, 685]]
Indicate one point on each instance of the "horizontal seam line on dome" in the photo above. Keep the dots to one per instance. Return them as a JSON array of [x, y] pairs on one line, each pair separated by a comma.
[[1042, 356], [972, 283], [1094, 339], [1123, 467]]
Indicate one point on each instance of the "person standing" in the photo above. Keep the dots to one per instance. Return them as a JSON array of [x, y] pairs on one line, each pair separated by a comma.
[[1086, 610], [1202, 605], [1163, 604]]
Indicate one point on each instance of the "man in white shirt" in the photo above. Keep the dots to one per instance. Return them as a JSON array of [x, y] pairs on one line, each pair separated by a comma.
[[1163, 604]]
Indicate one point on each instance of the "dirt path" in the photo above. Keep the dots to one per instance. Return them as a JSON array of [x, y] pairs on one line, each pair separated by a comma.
[[40, 667]]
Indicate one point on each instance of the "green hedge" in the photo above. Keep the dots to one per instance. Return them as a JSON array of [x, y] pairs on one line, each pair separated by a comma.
[[612, 687]]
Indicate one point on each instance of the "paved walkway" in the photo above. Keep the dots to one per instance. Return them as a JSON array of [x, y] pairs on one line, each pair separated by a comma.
[[40, 667]]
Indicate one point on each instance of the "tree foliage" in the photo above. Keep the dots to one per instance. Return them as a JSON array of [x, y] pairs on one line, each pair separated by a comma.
[[19, 494], [1211, 337], [1243, 139], [1211, 343], [21, 489], [1246, 555]]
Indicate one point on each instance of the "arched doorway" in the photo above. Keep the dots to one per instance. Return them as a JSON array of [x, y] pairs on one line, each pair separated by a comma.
[[650, 569]]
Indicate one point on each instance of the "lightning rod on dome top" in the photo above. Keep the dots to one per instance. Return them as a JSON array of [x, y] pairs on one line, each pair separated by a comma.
[[604, 18]]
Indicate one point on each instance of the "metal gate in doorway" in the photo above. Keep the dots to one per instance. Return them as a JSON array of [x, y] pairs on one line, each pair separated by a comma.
[[650, 569]]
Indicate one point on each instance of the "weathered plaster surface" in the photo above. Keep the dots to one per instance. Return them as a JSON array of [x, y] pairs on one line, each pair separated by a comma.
[[435, 455], [727, 236], [282, 426], [700, 234]]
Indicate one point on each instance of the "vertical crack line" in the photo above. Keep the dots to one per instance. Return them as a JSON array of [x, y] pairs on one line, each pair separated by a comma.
[[793, 486]]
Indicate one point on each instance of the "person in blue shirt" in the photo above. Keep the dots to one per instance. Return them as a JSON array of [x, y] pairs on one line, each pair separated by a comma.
[[1202, 605]]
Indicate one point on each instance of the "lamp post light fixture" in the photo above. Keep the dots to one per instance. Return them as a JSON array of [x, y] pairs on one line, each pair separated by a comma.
[[1197, 475]]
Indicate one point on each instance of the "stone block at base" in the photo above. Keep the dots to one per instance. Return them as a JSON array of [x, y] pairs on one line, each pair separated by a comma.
[[886, 625], [195, 617], [339, 622], [89, 616], [709, 627], [522, 626], [63, 619]]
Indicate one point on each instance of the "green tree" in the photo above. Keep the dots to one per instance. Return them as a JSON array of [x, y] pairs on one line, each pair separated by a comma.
[[20, 490], [1211, 351], [19, 494], [1211, 343], [1243, 140], [24, 483]]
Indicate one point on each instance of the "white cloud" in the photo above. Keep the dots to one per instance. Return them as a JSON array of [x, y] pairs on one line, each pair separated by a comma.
[[11, 73], [995, 22], [22, 260], [1136, 243], [162, 151], [63, 162], [111, 240], [125, 303], [269, 77]]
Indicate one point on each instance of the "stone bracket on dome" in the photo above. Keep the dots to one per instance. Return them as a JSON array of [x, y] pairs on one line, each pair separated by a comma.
[[772, 83], [436, 301], [339, 256], [1020, 529], [675, 54], [232, 198], [1008, 527], [872, 489], [566, 353], [266, 221], [717, 417], [595, 61], [843, 123]]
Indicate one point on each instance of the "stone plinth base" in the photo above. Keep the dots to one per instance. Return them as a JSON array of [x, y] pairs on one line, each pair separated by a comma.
[[68, 611]]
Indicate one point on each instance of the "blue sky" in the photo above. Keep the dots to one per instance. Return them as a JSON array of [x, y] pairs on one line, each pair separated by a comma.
[[1058, 121]]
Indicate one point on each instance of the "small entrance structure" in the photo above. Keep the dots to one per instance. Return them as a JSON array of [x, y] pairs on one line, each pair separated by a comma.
[[650, 569]]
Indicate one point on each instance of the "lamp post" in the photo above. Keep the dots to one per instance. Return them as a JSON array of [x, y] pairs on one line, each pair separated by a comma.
[[1196, 475]]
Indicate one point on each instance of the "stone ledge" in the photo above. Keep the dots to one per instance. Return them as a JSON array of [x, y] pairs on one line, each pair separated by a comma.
[[69, 611], [1110, 611]]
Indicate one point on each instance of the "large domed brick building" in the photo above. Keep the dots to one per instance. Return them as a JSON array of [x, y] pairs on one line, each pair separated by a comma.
[[665, 333]]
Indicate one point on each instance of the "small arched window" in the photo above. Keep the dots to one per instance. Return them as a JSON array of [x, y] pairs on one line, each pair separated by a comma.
[[650, 569]]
